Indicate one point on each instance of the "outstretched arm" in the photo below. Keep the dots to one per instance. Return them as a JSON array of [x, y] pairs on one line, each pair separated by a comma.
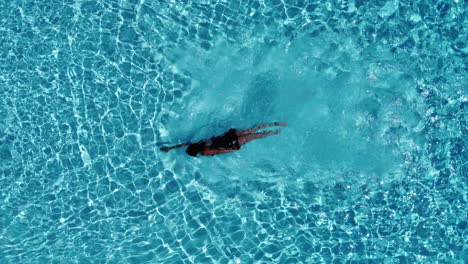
[[166, 149]]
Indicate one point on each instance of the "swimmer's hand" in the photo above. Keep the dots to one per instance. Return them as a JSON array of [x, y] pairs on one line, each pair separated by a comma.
[[280, 124], [165, 149]]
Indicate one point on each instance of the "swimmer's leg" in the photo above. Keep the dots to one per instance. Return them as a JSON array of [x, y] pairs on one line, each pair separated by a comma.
[[244, 138], [252, 130]]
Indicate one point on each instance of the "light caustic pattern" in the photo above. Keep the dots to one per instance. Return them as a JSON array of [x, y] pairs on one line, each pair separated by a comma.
[[371, 169]]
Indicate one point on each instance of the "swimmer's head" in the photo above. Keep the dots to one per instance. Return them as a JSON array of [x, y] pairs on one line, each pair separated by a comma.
[[195, 149]]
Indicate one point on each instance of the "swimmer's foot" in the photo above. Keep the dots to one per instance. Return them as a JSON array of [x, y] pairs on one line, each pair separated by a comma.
[[280, 124]]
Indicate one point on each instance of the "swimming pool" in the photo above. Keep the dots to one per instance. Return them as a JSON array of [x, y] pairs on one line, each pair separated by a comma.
[[371, 169]]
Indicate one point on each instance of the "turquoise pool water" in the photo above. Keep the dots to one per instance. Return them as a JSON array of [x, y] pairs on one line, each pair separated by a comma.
[[371, 169]]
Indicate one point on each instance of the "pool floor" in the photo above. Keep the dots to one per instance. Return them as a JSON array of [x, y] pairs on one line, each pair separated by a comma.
[[372, 167]]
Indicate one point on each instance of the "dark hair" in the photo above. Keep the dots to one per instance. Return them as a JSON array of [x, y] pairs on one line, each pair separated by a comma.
[[195, 148]]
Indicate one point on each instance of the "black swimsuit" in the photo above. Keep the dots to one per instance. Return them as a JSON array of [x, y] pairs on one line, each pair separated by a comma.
[[227, 141]]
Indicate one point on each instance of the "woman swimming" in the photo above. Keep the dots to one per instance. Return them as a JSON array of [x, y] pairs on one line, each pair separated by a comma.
[[230, 141]]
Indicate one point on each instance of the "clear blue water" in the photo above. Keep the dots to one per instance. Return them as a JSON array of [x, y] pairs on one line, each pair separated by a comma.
[[371, 169]]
